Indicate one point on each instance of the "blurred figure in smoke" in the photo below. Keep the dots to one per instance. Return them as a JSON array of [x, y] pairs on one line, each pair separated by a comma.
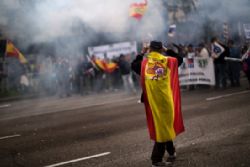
[[85, 73], [125, 70], [107, 76], [24, 83], [246, 62], [63, 77], [202, 51], [98, 72], [191, 55], [234, 66], [219, 52]]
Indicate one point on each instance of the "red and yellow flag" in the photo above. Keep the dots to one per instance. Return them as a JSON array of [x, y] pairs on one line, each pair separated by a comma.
[[108, 67], [12, 51], [137, 10], [160, 83]]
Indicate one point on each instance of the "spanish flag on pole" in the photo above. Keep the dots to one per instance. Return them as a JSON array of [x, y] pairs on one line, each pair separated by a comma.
[[160, 83], [137, 10], [108, 67], [12, 51]]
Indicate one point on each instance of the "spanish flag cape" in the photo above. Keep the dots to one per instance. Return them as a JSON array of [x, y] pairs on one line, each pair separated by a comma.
[[160, 84]]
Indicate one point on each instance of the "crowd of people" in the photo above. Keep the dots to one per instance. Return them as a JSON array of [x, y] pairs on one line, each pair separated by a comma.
[[64, 76], [227, 66]]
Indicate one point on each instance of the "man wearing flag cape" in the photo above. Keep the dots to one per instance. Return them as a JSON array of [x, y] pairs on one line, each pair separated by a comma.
[[161, 97]]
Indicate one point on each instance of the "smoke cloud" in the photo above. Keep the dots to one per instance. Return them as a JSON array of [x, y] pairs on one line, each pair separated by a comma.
[[71, 25], [78, 22], [209, 16]]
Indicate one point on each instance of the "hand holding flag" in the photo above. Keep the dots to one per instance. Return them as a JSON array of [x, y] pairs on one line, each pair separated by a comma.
[[217, 50]]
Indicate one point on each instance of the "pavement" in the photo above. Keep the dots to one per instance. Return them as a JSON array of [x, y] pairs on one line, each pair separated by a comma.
[[110, 130]]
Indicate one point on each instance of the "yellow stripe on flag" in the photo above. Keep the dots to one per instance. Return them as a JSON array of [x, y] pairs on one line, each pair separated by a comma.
[[12, 51], [160, 96]]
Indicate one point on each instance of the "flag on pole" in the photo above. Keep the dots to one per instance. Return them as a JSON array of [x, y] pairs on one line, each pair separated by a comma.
[[162, 100], [137, 10], [12, 51], [217, 49], [172, 30], [108, 67]]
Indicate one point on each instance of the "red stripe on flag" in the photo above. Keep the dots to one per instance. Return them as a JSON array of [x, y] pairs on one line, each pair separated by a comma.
[[150, 120], [178, 121]]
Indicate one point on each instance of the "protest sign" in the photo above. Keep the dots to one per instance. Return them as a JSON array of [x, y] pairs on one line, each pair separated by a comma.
[[197, 71], [113, 50]]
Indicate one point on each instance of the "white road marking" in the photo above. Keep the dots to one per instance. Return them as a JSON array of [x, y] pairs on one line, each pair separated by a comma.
[[227, 95], [5, 106], [7, 137], [79, 159]]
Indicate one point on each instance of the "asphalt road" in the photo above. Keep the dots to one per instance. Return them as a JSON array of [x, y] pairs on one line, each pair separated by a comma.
[[109, 130]]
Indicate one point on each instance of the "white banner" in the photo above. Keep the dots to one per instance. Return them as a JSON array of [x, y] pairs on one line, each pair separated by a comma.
[[113, 50], [246, 28], [197, 71]]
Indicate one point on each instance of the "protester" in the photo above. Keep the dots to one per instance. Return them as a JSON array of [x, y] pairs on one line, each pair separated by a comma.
[[190, 57], [63, 76], [99, 73], [202, 51], [246, 62], [125, 71], [85, 73], [24, 83], [219, 52], [234, 66], [160, 84]]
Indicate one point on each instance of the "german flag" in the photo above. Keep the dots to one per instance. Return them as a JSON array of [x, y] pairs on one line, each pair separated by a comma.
[[137, 10], [162, 100], [12, 51]]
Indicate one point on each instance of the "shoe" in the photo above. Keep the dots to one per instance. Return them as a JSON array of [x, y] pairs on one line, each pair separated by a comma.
[[171, 159], [159, 164]]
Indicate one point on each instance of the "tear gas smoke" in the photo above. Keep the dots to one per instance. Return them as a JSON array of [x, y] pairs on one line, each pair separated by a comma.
[[76, 23]]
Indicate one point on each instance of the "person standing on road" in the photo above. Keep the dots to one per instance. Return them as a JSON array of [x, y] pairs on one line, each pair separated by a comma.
[[246, 62], [219, 52], [234, 67], [161, 97], [125, 70]]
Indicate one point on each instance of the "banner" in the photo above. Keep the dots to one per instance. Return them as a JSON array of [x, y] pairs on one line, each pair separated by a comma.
[[197, 71], [246, 28], [113, 50]]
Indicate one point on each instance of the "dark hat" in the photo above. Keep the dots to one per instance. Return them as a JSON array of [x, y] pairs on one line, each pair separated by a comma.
[[156, 45]]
